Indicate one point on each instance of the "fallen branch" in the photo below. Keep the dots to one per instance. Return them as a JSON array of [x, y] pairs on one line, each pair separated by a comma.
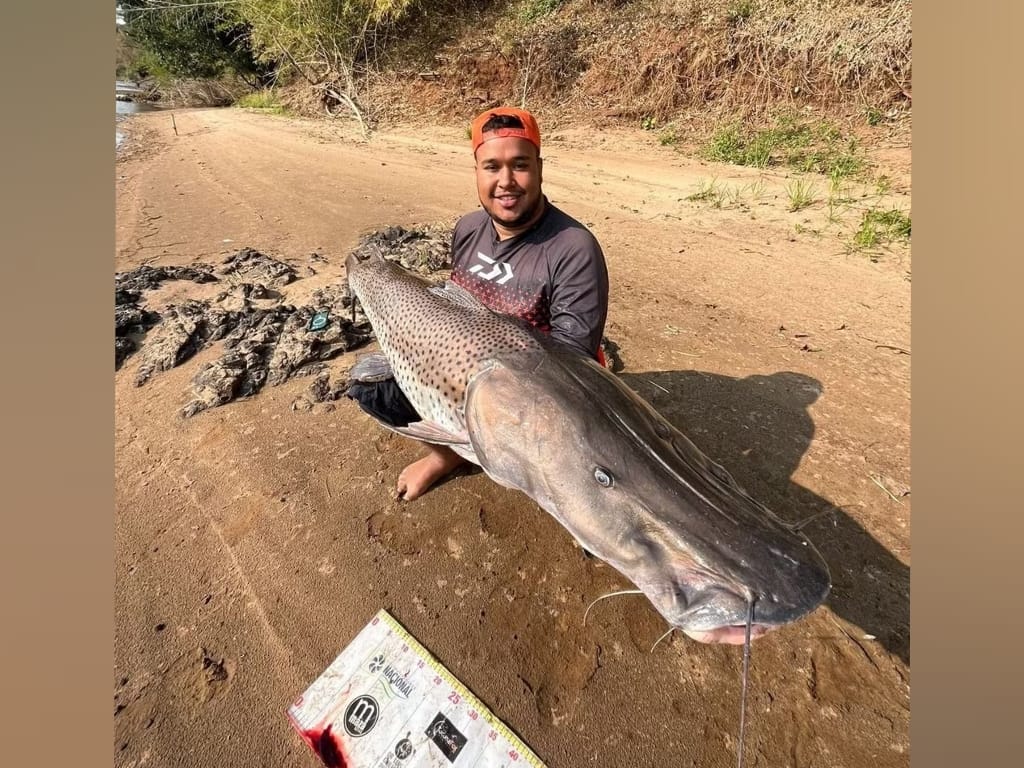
[[351, 105]]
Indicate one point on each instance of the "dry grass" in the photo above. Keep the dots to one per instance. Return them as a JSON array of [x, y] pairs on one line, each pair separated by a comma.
[[202, 93], [752, 55], [695, 63]]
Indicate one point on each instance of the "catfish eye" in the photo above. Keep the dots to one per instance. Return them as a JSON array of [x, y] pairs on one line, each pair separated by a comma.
[[603, 477]]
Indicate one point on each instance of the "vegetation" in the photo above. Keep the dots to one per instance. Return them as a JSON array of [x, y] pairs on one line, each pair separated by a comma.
[[878, 227], [188, 41], [266, 100], [531, 10], [643, 60], [802, 146], [801, 194]]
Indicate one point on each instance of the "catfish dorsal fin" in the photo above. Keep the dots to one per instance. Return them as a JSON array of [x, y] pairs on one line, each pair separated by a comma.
[[456, 294]]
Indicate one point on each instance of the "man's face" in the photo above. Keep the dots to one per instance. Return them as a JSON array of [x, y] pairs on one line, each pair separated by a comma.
[[508, 179]]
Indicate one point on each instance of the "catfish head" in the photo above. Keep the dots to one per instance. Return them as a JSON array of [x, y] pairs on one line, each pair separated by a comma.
[[637, 493]]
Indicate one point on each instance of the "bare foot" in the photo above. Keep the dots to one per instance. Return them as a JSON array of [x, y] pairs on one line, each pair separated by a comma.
[[419, 476]]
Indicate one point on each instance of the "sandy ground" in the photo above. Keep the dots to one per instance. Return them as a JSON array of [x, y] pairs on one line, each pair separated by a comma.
[[254, 540]]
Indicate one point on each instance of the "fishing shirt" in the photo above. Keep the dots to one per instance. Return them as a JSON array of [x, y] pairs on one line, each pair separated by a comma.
[[553, 276]]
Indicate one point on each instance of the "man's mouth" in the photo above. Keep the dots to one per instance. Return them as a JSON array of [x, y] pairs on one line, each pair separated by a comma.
[[507, 201]]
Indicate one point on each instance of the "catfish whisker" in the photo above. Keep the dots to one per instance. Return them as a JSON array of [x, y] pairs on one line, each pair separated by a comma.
[[800, 525], [670, 631], [746, 675], [610, 594]]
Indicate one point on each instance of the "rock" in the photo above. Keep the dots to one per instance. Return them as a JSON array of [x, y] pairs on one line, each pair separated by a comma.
[[252, 266], [262, 344], [424, 251], [185, 329], [123, 347], [129, 318]]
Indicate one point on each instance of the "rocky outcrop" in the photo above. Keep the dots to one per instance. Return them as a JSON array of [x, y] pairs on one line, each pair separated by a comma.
[[264, 340]]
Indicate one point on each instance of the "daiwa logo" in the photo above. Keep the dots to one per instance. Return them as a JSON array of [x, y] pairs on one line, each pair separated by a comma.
[[498, 268]]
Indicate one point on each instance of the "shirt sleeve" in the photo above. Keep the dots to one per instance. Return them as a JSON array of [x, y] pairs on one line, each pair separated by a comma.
[[461, 235], [579, 294]]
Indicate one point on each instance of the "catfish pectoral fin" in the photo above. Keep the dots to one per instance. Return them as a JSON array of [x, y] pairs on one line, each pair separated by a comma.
[[429, 432], [371, 368]]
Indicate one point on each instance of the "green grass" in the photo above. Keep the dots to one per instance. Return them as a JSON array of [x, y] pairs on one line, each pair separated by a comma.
[[874, 116], [669, 136], [739, 11], [801, 194], [802, 146], [708, 192], [266, 100], [719, 195], [531, 10], [878, 227]]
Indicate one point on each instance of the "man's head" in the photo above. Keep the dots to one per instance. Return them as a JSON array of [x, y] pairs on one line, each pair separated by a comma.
[[506, 146]]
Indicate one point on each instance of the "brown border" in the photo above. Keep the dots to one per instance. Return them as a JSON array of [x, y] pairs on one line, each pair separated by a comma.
[[966, 698], [59, 537], [58, 531]]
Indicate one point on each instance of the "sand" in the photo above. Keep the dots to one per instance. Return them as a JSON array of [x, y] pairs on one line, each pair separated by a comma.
[[255, 539]]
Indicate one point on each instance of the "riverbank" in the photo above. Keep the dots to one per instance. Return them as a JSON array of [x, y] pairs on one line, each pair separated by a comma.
[[254, 539]]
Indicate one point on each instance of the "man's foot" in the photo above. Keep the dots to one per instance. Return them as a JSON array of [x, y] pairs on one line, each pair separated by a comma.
[[417, 478]]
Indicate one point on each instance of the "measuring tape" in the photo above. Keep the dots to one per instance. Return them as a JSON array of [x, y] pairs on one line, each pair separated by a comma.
[[387, 702]]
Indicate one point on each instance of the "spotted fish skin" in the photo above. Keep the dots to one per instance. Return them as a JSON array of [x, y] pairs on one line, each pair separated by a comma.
[[622, 480], [436, 338]]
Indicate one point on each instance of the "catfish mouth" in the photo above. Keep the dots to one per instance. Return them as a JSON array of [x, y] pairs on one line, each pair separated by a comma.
[[719, 615], [735, 634]]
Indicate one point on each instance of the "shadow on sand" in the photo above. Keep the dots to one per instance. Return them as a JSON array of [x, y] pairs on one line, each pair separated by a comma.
[[759, 428]]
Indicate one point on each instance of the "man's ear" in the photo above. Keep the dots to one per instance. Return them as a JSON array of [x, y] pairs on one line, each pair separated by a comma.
[[540, 169]]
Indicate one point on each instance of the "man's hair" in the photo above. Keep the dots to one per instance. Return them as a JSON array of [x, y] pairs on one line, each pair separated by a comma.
[[501, 121]]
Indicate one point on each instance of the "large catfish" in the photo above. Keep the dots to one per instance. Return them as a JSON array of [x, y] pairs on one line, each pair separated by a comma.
[[630, 487]]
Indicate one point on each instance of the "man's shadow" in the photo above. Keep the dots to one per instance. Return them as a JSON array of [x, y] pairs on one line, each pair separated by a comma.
[[758, 428]]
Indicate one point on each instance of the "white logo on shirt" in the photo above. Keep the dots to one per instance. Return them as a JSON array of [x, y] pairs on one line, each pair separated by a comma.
[[493, 273]]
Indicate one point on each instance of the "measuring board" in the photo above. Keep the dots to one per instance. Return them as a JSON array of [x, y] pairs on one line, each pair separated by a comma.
[[386, 702]]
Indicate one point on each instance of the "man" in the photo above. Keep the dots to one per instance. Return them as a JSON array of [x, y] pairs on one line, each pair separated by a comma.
[[519, 255]]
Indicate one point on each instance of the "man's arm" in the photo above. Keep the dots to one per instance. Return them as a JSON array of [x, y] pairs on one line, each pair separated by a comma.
[[579, 294]]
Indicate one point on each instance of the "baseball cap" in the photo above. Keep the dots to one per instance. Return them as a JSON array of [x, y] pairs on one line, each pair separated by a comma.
[[530, 131]]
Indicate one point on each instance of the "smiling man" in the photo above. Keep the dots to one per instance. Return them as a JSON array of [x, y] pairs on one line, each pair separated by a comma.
[[519, 255]]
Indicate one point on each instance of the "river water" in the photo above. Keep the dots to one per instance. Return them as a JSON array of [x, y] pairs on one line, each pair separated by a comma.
[[124, 108]]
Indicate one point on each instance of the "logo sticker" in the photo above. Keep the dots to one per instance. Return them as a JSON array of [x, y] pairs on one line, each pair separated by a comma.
[[361, 716], [403, 749], [446, 737], [396, 682], [496, 271]]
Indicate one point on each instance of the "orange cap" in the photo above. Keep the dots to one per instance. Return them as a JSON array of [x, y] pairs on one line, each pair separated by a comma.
[[530, 131]]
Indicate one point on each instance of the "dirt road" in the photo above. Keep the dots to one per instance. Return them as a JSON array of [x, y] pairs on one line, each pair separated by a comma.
[[254, 540]]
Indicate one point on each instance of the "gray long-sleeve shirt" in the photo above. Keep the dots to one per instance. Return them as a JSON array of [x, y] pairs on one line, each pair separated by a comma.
[[553, 276]]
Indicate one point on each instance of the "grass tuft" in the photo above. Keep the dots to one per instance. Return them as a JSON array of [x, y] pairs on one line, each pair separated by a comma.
[[801, 194], [266, 100], [802, 146], [878, 227]]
